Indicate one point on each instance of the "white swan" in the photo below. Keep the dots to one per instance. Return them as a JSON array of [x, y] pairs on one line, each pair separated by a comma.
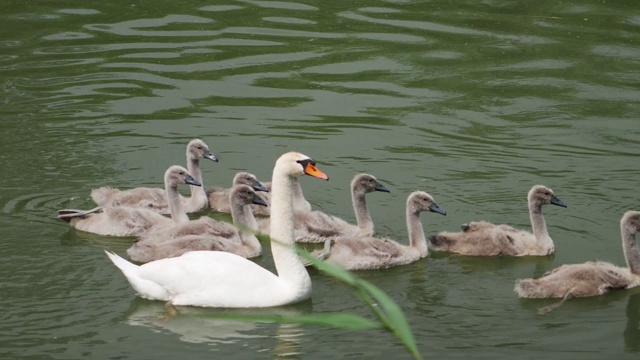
[[481, 238], [130, 221], [365, 253], [221, 279], [155, 198], [317, 226], [163, 242], [219, 197], [591, 278]]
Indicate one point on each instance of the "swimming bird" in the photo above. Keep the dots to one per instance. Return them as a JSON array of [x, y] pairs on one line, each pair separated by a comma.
[[219, 197], [482, 238], [205, 233], [155, 198], [367, 252], [130, 221], [222, 279], [591, 278], [317, 226]]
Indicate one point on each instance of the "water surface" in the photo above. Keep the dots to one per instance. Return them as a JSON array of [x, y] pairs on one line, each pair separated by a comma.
[[471, 102]]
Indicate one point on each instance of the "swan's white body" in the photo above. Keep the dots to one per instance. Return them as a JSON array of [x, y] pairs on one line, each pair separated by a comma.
[[155, 198], [130, 221], [482, 238], [220, 279]]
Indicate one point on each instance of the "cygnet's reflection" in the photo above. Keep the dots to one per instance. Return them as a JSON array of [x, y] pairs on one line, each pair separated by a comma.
[[632, 330]]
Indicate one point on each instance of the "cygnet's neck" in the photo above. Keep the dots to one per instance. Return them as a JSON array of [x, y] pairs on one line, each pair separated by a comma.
[[363, 217], [198, 199], [539, 227], [299, 201], [243, 221], [178, 215], [630, 247], [417, 240]]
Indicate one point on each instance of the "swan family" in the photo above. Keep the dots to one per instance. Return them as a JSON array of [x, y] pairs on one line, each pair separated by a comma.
[[204, 262]]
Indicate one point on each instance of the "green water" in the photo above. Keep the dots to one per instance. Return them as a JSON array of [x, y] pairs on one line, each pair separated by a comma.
[[473, 102]]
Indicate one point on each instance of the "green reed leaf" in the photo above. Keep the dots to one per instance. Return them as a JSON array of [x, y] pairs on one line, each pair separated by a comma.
[[387, 311]]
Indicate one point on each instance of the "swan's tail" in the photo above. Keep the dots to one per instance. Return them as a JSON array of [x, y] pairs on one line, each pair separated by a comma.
[[145, 288], [122, 264], [68, 214], [104, 196]]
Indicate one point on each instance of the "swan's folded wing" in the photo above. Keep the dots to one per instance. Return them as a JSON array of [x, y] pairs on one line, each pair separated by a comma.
[[211, 278]]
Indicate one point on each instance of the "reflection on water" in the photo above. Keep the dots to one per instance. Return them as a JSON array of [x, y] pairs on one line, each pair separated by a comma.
[[631, 332], [196, 325]]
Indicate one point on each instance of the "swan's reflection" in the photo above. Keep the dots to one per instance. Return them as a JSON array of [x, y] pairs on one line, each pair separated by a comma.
[[200, 325]]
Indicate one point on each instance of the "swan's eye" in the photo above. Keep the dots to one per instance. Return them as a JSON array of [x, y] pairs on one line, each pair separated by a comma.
[[305, 162]]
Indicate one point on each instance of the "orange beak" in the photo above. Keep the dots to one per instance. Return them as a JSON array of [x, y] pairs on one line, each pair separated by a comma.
[[312, 170]]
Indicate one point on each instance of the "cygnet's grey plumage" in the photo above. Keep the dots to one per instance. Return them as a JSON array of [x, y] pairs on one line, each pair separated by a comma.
[[591, 278], [482, 238], [299, 201], [130, 221], [205, 233], [219, 197], [155, 198], [317, 226], [367, 252]]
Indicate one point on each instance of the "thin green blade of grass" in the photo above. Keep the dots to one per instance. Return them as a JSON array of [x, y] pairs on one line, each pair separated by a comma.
[[387, 311], [394, 318]]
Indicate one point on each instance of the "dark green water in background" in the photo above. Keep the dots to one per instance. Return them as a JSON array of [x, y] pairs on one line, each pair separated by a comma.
[[473, 102]]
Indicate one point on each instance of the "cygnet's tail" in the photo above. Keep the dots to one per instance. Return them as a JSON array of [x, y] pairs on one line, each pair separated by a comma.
[[68, 214], [529, 288]]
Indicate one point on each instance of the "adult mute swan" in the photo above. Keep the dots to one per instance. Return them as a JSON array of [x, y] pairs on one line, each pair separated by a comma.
[[155, 198], [317, 226], [367, 252], [591, 278], [219, 197], [481, 238], [130, 221], [222, 279], [162, 242]]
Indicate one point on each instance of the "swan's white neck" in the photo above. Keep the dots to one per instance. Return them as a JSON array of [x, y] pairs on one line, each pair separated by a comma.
[[630, 247], [288, 265], [178, 215], [539, 227], [417, 240], [363, 217], [198, 199], [244, 220]]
